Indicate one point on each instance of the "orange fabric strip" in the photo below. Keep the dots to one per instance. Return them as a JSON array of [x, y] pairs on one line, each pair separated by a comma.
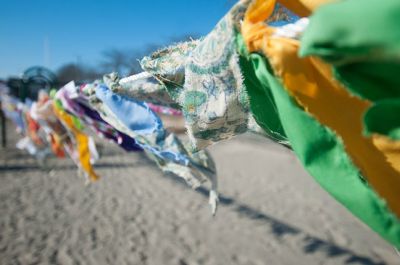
[[82, 142]]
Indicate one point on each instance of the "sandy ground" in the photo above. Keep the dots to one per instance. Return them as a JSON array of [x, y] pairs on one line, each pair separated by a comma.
[[271, 212]]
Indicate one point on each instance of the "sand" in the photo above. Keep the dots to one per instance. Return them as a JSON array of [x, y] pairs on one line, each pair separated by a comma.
[[271, 212]]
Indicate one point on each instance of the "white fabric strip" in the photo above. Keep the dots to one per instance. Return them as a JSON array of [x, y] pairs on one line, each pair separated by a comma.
[[133, 78], [292, 31]]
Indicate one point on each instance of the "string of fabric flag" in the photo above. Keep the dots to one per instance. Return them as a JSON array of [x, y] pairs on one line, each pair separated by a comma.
[[290, 70]]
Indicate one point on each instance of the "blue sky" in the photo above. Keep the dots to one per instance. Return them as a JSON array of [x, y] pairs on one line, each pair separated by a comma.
[[54, 32]]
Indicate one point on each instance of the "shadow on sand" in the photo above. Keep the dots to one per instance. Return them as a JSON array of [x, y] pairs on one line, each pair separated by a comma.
[[310, 244]]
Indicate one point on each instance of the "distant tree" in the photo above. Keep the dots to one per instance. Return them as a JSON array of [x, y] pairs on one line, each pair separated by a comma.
[[133, 64], [115, 61], [71, 71], [126, 62], [184, 37], [91, 74]]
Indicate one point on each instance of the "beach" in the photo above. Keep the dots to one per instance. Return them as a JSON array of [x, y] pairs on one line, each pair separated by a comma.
[[271, 211]]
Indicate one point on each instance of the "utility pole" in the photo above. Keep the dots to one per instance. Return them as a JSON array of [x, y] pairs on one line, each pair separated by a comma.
[[3, 128]]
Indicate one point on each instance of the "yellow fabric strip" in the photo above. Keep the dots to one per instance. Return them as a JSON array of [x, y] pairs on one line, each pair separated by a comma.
[[260, 10], [253, 29], [390, 148], [253, 26], [312, 85], [82, 142]]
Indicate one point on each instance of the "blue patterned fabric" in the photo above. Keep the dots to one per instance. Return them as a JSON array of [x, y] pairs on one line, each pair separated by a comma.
[[137, 117]]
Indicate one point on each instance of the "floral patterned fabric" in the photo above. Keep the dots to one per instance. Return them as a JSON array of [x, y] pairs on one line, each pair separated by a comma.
[[204, 77], [141, 86]]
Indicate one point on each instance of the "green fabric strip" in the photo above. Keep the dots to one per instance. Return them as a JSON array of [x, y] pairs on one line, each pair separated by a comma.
[[321, 152], [342, 32], [262, 103], [383, 118], [364, 48], [363, 45], [370, 80]]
